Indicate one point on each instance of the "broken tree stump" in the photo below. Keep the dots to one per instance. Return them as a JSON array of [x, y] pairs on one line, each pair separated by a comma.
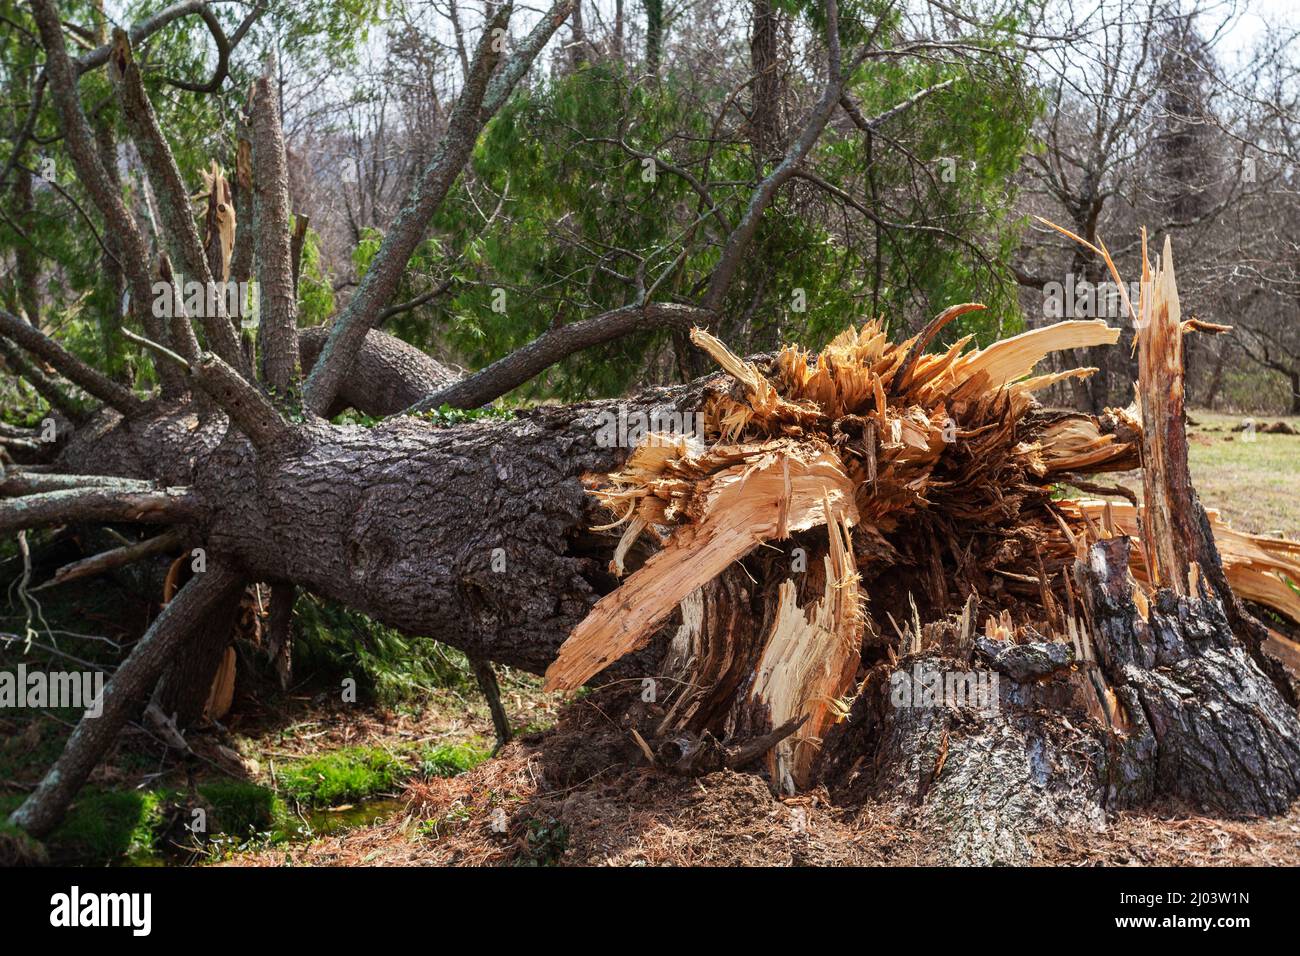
[[835, 495]]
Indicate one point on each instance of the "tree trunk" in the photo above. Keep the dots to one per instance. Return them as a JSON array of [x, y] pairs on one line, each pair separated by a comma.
[[1165, 706], [1093, 393], [764, 62], [481, 536], [473, 535], [1216, 377], [654, 35]]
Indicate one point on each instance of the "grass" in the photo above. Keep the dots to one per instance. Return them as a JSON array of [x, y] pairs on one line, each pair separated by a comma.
[[241, 808], [448, 760], [359, 773], [106, 827], [1254, 484], [353, 773], [102, 826], [17, 848]]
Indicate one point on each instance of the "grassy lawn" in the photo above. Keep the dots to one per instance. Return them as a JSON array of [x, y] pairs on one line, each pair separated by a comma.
[[1255, 485]]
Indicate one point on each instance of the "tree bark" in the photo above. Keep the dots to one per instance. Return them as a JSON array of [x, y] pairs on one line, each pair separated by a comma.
[[183, 689], [473, 535]]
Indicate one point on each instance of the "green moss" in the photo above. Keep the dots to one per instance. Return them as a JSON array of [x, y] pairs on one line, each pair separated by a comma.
[[448, 760], [108, 826], [240, 808], [138, 826], [345, 775]]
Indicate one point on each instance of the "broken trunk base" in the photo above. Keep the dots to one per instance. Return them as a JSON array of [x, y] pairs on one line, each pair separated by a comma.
[[838, 494]]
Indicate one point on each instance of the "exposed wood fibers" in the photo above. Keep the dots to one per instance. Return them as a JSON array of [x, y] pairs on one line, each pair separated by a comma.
[[866, 438]]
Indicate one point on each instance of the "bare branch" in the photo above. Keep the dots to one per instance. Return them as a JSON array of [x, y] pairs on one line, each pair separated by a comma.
[[738, 241], [224, 45], [182, 331], [517, 66], [182, 616], [140, 32], [248, 407], [868, 125], [473, 109], [540, 354], [17, 482], [99, 506], [173, 197], [164, 543], [80, 141], [48, 388]]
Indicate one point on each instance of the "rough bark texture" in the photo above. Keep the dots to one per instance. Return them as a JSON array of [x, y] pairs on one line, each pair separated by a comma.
[[183, 689], [402, 521], [1173, 707], [988, 776], [1225, 737], [381, 280], [80, 143], [279, 319], [388, 376]]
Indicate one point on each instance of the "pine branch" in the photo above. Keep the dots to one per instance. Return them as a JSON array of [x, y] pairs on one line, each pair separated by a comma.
[[173, 198], [473, 109], [98, 506], [81, 147]]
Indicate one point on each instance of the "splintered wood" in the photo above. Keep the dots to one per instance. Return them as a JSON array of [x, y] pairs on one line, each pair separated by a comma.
[[809, 662], [1257, 567], [870, 474], [772, 490], [1166, 479]]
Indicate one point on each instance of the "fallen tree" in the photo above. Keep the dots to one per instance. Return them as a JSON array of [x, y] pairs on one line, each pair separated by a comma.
[[835, 523]]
